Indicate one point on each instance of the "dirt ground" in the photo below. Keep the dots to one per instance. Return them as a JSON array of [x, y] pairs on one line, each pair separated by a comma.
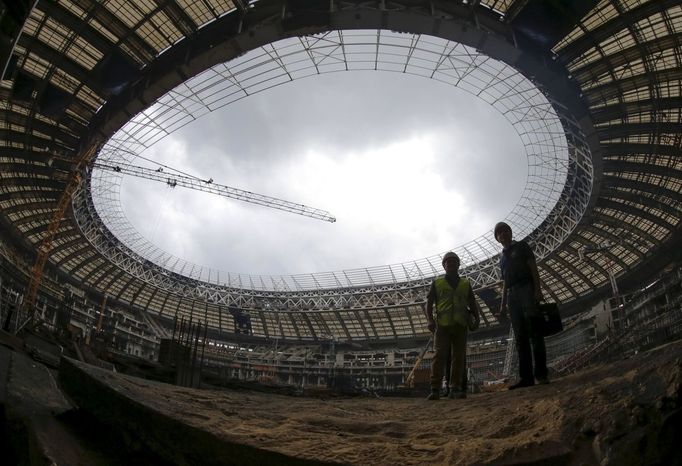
[[628, 412]]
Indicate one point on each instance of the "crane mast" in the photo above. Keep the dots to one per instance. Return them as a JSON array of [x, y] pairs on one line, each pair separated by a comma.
[[45, 246], [190, 182]]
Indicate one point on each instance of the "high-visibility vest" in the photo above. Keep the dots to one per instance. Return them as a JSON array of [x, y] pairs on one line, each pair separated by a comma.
[[452, 303]]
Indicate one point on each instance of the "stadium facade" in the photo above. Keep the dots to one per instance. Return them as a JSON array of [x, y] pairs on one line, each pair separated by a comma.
[[593, 90]]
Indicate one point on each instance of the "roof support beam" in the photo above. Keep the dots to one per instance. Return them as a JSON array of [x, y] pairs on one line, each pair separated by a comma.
[[619, 22], [52, 130], [595, 69], [143, 51], [59, 61], [612, 149], [57, 12], [646, 202], [635, 212], [622, 110], [575, 270], [624, 166], [83, 252], [46, 204], [177, 15], [631, 235], [624, 130], [614, 89], [609, 236], [654, 190]]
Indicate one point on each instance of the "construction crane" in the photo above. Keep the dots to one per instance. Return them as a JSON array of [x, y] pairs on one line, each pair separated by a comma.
[[45, 247], [173, 180], [84, 160]]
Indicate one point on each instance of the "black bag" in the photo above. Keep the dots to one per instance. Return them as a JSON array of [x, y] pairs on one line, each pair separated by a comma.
[[551, 319], [473, 321]]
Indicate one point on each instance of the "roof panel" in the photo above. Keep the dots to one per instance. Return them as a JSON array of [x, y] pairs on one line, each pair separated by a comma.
[[90, 98], [106, 32], [159, 32], [652, 27], [205, 11], [627, 5], [603, 12], [130, 12], [499, 6], [34, 64]]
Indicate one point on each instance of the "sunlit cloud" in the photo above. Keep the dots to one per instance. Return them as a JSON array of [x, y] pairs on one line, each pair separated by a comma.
[[403, 184]]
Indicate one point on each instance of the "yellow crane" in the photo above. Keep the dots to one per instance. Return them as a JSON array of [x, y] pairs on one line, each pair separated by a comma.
[[173, 180], [45, 247]]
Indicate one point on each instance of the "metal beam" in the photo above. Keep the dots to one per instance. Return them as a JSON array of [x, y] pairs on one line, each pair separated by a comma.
[[594, 37], [625, 166], [177, 15], [616, 88], [625, 110], [141, 50], [623, 130], [593, 70], [635, 212], [612, 149]]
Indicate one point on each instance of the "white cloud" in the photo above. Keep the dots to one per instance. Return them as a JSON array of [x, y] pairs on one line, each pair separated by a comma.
[[409, 167]]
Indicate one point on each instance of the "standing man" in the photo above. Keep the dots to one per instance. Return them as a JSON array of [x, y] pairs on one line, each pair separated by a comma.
[[454, 299], [522, 292]]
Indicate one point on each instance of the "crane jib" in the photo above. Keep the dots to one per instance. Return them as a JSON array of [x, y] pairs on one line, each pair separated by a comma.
[[209, 186]]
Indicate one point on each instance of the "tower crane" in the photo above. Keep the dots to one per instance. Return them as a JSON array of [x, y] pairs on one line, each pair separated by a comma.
[[209, 186], [84, 159], [45, 246]]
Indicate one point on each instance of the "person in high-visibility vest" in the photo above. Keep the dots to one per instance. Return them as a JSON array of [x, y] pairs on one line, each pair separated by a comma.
[[454, 300]]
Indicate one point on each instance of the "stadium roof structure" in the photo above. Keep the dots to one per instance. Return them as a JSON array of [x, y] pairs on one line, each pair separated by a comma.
[[592, 88]]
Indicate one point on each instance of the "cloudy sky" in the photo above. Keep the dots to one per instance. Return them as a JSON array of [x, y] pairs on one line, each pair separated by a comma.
[[409, 167]]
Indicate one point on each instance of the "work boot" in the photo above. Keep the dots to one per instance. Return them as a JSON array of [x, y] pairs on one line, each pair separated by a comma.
[[457, 394], [435, 395]]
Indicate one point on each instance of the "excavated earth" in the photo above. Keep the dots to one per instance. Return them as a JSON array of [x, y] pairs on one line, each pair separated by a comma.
[[624, 413]]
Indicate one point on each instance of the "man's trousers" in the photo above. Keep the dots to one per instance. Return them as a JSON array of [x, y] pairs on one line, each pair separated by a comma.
[[453, 340], [523, 311]]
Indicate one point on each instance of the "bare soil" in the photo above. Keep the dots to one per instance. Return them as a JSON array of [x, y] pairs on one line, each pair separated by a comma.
[[628, 412]]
